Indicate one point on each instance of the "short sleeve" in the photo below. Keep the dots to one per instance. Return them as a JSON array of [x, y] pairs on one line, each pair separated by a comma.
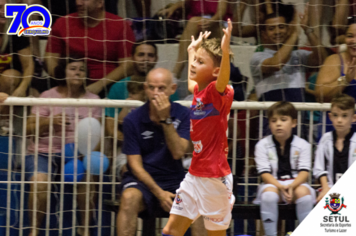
[[256, 63], [183, 129], [304, 56], [131, 143], [117, 92], [261, 159], [223, 100], [55, 43], [304, 161]]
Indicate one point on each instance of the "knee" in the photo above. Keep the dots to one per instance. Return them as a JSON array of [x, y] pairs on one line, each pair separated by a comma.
[[131, 200], [301, 191], [41, 187], [269, 197], [10, 79]]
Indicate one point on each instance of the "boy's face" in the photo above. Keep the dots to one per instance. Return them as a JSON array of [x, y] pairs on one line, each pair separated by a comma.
[[276, 30], [281, 126], [342, 119], [203, 68]]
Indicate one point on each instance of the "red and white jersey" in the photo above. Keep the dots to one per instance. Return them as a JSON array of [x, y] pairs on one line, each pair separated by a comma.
[[208, 126]]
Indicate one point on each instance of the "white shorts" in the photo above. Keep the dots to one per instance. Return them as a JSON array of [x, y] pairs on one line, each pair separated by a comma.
[[262, 187], [211, 198]]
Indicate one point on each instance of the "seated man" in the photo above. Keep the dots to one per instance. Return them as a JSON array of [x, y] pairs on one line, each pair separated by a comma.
[[156, 136], [93, 33], [144, 57]]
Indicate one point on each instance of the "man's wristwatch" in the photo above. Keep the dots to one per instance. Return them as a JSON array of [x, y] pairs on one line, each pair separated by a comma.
[[308, 31], [343, 81], [167, 121]]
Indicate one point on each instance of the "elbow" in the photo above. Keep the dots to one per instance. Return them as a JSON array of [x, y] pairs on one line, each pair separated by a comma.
[[178, 155]]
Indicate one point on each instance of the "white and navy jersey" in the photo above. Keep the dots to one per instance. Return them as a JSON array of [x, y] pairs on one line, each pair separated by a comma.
[[268, 160], [330, 163]]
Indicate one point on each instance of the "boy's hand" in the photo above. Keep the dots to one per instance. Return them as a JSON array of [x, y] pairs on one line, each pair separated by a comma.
[[225, 42], [195, 44], [286, 193], [322, 193]]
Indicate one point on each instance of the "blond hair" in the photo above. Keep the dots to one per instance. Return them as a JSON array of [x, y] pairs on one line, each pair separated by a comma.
[[213, 48]]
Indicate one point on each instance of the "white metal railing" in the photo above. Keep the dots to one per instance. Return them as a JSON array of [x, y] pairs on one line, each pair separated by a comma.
[[27, 102]]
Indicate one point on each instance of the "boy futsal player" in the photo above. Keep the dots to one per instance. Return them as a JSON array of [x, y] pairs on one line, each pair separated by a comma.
[[337, 149], [207, 188], [283, 160]]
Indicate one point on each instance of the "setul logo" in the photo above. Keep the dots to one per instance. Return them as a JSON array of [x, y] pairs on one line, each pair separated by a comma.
[[335, 204]]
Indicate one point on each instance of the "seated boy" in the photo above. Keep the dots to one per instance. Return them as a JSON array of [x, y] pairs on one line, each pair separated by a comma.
[[336, 148], [283, 160]]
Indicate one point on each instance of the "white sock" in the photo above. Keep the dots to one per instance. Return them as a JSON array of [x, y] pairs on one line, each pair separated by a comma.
[[304, 206], [269, 212]]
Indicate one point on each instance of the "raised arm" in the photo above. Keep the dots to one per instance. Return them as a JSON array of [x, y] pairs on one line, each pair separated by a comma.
[[224, 72], [319, 53], [281, 57], [193, 47]]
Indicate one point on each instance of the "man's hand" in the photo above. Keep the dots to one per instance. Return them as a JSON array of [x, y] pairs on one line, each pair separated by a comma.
[[162, 105], [195, 44], [165, 198], [167, 12], [19, 92], [225, 42], [3, 97], [304, 18], [322, 193]]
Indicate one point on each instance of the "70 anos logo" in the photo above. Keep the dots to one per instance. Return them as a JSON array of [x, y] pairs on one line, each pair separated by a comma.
[[21, 14]]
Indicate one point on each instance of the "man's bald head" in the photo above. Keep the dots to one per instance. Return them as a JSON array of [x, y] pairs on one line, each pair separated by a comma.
[[161, 73], [159, 80]]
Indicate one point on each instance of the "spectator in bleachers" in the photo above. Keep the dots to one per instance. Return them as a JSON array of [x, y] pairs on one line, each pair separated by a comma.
[[72, 78], [156, 137], [283, 161], [202, 15], [338, 73], [278, 70], [143, 8], [335, 153], [262, 8], [105, 39], [16, 63]]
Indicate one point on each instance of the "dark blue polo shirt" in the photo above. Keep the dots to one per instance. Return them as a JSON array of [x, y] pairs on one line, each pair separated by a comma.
[[145, 138]]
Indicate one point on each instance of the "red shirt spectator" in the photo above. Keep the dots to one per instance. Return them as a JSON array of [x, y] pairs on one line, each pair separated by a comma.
[[103, 44]]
